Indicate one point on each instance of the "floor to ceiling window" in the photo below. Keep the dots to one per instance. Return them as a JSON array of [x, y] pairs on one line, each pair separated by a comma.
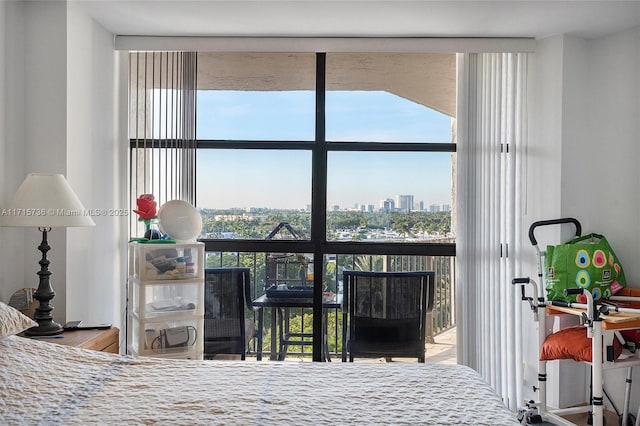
[[334, 161]]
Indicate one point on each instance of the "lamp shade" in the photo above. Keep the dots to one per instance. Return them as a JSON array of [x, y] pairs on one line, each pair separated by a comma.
[[45, 201]]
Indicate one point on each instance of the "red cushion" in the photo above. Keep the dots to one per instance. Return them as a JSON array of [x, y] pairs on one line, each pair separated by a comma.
[[631, 335], [572, 343]]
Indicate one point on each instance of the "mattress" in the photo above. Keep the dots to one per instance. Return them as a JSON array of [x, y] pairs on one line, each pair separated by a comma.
[[46, 383]]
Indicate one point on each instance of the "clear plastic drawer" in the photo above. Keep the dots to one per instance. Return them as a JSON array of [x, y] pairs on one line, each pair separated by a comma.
[[166, 338], [157, 299], [166, 261]]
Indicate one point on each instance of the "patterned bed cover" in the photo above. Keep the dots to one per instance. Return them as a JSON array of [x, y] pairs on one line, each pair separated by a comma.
[[45, 383]]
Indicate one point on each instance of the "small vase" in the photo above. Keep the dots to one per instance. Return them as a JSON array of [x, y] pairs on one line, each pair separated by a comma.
[[152, 230]]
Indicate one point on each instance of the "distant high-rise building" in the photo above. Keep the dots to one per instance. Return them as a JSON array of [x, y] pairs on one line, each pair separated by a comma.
[[387, 205], [404, 202], [434, 208], [419, 206], [446, 207]]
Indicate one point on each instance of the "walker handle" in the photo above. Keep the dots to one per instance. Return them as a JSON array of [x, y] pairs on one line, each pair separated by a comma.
[[592, 312], [534, 225], [521, 281], [571, 291]]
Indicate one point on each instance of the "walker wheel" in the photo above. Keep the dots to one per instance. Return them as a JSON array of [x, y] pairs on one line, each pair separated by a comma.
[[631, 420], [535, 419]]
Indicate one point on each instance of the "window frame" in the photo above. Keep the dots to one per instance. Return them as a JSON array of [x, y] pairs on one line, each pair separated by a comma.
[[318, 244]]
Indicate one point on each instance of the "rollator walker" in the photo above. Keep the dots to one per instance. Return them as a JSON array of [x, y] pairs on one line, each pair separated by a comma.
[[603, 323]]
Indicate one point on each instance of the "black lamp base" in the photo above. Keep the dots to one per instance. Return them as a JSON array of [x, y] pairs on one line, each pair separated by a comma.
[[46, 325], [45, 330]]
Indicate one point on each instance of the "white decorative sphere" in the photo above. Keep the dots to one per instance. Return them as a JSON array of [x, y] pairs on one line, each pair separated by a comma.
[[180, 220]]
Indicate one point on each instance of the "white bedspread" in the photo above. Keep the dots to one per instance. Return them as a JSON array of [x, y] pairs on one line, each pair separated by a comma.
[[45, 383]]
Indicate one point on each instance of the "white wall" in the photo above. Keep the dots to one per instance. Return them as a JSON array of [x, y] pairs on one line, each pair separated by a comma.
[[45, 141], [96, 169], [582, 163], [59, 113], [12, 136], [4, 14], [612, 138], [35, 132], [12, 129], [613, 135], [544, 168]]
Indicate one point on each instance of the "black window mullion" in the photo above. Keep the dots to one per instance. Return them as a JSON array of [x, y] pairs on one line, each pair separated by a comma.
[[391, 146], [304, 145], [253, 144], [319, 204]]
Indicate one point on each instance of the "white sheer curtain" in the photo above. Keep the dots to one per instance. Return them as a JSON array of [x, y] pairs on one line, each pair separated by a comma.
[[491, 140]]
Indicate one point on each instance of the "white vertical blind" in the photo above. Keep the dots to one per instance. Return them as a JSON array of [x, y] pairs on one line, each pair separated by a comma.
[[162, 108], [491, 132]]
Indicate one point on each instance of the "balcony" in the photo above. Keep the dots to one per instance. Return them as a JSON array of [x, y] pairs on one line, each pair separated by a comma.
[[443, 348], [441, 332]]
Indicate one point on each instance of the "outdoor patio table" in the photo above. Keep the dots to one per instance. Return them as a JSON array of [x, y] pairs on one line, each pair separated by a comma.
[[280, 308]]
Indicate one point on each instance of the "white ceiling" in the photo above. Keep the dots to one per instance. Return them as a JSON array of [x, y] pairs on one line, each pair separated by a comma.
[[364, 18]]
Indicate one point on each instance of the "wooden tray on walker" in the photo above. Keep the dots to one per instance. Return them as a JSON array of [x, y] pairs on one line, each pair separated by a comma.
[[610, 322]]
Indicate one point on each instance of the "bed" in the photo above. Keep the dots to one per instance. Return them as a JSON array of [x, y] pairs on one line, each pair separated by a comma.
[[45, 383]]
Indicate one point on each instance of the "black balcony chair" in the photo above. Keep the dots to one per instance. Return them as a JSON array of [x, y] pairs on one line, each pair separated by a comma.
[[226, 294], [386, 313]]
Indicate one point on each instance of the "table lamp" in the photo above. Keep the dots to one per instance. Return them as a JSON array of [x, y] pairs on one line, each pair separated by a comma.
[[45, 201]]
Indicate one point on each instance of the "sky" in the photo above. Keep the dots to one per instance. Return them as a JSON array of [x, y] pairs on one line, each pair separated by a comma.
[[282, 179]]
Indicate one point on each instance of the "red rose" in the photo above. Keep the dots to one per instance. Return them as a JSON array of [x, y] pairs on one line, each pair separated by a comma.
[[146, 206]]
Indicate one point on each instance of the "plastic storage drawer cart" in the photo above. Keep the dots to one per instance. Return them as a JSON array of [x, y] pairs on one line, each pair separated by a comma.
[[166, 300]]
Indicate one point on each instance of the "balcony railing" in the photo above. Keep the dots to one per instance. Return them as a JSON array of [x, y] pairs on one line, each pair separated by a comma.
[[441, 319]]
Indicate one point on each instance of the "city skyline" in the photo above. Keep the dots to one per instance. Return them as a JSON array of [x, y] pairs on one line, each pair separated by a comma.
[[390, 204], [432, 207]]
